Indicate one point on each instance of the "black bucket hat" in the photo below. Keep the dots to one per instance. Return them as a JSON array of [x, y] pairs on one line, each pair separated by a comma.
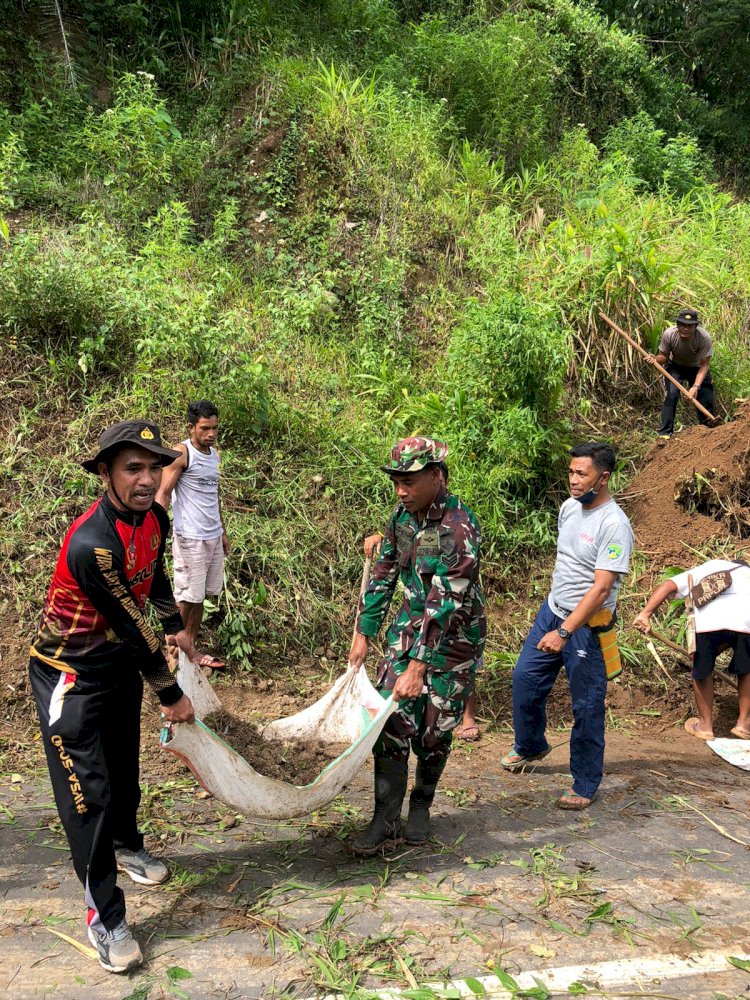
[[687, 317], [141, 433]]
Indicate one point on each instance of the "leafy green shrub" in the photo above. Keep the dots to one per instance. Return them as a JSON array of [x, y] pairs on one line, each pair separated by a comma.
[[129, 158], [507, 352], [130, 146], [13, 166], [492, 249], [50, 294], [685, 165], [86, 294], [52, 115], [677, 163], [605, 74], [730, 368], [641, 143], [496, 79], [498, 405]]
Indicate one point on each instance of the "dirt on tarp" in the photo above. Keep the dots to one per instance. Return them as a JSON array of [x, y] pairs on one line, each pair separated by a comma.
[[294, 761], [693, 488]]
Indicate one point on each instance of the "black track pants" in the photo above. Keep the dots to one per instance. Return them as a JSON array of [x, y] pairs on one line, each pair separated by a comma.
[[684, 373], [91, 733]]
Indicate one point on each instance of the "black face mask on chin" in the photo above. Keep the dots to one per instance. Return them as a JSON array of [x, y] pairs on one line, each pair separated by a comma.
[[588, 498]]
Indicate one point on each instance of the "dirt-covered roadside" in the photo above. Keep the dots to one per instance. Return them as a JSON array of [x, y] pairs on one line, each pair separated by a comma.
[[509, 883]]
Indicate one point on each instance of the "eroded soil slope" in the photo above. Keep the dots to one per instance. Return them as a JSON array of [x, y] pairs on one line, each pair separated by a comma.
[[691, 489]]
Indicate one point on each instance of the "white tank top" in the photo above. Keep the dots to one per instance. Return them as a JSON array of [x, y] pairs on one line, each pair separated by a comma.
[[196, 496]]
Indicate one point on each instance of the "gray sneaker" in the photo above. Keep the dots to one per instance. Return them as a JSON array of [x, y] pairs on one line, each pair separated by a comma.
[[141, 866], [118, 950]]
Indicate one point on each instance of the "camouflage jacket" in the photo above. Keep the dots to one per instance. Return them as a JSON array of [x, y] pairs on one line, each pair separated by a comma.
[[441, 620]]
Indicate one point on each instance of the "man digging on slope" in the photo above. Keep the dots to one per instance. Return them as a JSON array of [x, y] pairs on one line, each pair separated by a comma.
[[685, 350], [92, 648], [431, 544]]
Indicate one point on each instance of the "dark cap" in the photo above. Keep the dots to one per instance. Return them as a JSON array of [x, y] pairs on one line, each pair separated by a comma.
[[687, 317], [414, 454], [140, 433]]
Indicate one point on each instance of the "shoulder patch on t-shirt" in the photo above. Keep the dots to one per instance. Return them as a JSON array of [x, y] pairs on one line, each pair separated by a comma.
[[614, 551]]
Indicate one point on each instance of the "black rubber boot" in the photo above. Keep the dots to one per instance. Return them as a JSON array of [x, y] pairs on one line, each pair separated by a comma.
[[384, 830], [420, 800]]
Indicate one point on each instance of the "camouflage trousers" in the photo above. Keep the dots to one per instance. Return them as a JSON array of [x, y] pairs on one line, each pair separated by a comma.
[[427, 721]]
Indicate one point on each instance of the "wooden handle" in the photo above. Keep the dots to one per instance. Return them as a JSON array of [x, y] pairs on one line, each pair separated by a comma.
[[690, 616], [683, 653], [668, 642], [365, 575], [363, 587], [665, 373]]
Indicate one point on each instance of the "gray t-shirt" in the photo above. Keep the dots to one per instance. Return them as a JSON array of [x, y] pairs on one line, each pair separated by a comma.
[[696, 348], [588, 540]]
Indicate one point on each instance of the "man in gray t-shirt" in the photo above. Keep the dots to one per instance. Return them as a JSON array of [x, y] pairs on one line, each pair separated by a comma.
[[574, 626], [685, 351], [589, 538]]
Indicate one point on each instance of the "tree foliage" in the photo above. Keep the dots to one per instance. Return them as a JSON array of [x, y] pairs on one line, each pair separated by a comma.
[[348, 222]]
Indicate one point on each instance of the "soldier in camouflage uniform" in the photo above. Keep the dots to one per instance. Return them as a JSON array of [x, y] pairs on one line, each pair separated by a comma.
[[431, 544]]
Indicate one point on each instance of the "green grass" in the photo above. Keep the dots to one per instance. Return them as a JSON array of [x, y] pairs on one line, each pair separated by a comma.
[[346, 229]]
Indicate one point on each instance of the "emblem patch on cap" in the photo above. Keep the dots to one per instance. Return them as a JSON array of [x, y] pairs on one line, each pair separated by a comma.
[[146, 434]]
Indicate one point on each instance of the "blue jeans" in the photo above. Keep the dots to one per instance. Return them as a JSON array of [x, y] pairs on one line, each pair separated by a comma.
[[533, 677]]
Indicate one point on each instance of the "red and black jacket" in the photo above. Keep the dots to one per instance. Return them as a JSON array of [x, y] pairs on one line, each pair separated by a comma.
[[110, 563]]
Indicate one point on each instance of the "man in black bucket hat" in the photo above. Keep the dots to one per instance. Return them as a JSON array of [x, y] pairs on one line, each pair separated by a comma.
[[685, 350], [92, 648], [140, 433]]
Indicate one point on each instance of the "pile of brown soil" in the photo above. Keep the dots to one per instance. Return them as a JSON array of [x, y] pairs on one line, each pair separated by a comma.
[[693, 488], [294, 761]]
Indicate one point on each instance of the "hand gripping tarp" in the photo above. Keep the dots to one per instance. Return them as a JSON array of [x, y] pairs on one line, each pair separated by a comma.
[[351, 712]]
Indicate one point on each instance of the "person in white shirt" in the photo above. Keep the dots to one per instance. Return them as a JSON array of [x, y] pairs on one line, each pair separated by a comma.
[[722, 587], [199, 542]]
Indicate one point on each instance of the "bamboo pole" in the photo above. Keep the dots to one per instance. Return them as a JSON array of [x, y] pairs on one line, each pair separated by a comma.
[[686, 656], [363, 587], [690, 608], [642, 351]]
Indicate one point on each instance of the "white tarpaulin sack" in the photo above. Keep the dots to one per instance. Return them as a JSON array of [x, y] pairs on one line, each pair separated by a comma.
[[735, 752], [352, 712]]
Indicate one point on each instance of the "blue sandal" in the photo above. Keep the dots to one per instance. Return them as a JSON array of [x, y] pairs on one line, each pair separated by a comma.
[[515, 761]]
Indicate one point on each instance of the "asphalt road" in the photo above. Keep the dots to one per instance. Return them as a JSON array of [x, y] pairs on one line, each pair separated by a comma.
[[639, 895]]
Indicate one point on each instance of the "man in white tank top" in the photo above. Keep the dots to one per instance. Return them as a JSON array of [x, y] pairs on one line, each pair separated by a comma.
[[199, 540]]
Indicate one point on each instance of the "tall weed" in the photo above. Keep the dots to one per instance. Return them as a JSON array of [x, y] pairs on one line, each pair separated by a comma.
[[496, 80]]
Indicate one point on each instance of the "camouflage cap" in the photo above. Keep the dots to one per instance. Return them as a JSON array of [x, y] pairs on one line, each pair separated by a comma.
[[414, 454], [687, 317]]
